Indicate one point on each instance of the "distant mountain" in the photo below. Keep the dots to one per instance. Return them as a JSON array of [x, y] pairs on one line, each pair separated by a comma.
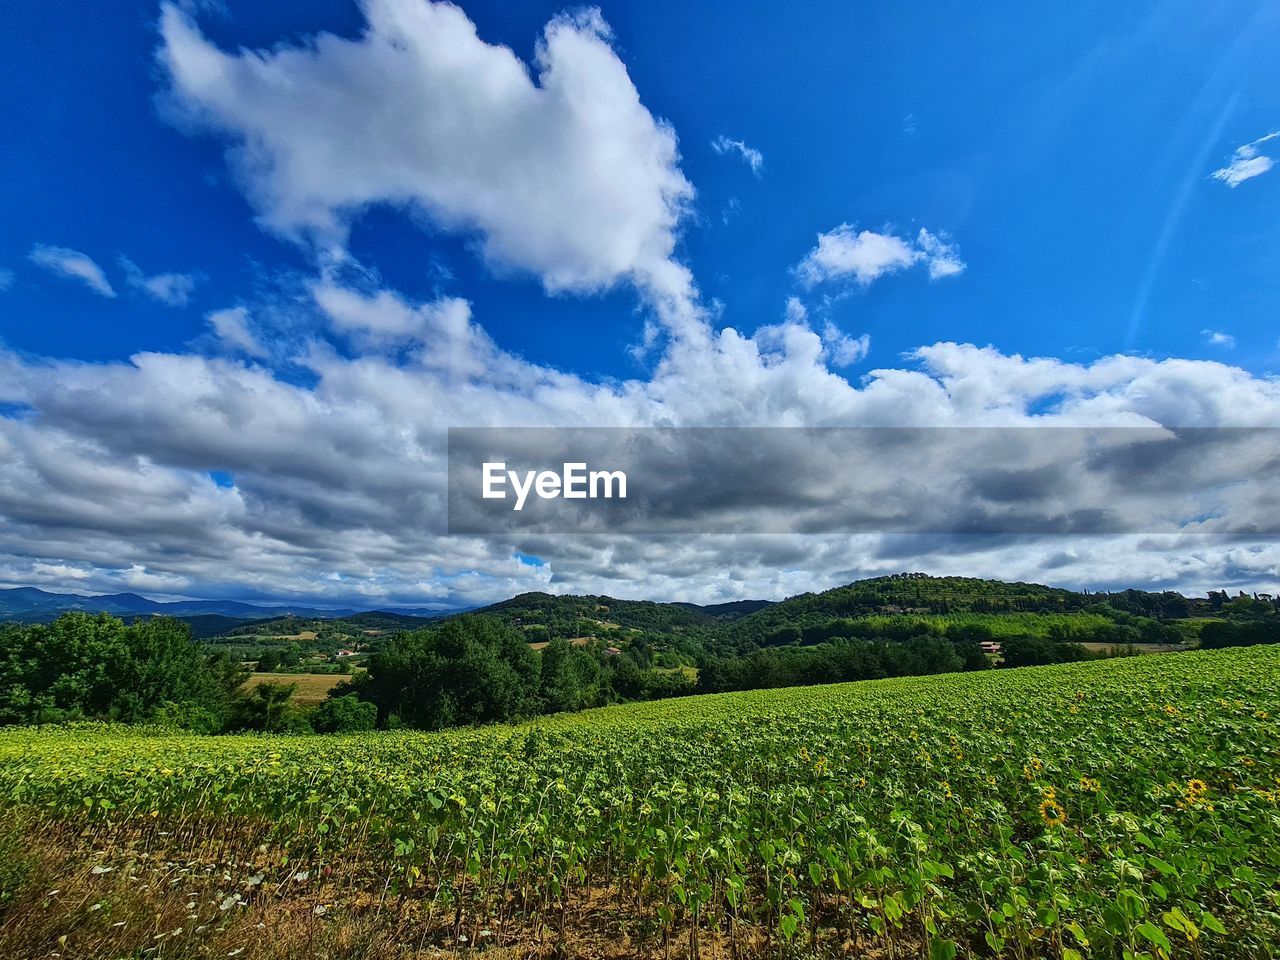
[[548, 614], [205, 626], [31, 605]]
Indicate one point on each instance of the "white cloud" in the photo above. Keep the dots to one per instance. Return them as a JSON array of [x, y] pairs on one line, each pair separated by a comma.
[[231, 326], [1217, 338], [72, 264], [795, 311], [865, 256], [344, 469], [842, 349], [6, 278], [171, 289], [558, 167], [1247, 162], [750, 155], [941, 256]]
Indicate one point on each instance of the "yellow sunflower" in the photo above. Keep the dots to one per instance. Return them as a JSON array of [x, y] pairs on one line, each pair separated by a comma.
[[1051, 813]]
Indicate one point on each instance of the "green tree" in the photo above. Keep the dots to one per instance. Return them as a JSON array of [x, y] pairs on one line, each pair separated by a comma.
[[95, 667], [472, 669], [570, 677], [269, 707], [344, 714]]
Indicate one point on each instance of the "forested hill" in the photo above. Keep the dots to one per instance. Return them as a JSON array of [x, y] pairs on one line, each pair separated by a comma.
[[920, 593], [924, 595], [900, 596], [566, 616]]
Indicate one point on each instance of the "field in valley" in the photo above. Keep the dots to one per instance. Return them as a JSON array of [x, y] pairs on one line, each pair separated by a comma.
[[308, 687], [1105, 809]]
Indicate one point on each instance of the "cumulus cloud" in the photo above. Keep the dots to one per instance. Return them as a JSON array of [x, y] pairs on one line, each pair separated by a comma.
[[231, 327], [72, 264], [556, 166], [750, 155], [171, 289], [1247, 162], [1217, 338], [344, 469], [865, 255]]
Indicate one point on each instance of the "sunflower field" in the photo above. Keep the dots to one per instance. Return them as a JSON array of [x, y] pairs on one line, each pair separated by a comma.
[[1124, 808]]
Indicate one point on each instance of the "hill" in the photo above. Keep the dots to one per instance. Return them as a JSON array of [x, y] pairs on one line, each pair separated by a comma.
[[732, 610], [913, 593], [372, 623], [572, 615]]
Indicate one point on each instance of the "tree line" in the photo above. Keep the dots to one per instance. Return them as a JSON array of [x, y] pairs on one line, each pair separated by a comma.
[[469, 670], [476, 669]]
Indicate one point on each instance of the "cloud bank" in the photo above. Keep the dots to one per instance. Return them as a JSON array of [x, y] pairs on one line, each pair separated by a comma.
[[337, 479]]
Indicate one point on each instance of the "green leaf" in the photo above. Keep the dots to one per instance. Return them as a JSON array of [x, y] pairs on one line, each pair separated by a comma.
[[1210, 922], [1153, 934]]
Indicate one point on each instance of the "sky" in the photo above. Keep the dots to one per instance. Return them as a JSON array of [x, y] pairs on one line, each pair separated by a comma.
[[255, 259]]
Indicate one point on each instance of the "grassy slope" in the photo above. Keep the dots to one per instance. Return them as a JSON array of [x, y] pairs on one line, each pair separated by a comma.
[[943, 768]]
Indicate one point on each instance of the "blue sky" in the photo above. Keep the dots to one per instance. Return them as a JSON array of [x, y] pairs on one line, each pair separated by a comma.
[[1040, 180], [1067, 152]]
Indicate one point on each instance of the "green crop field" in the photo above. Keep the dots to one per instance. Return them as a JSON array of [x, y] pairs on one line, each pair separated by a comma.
[[1125, 808]]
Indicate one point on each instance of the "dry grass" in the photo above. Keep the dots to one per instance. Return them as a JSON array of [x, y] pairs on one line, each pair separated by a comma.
[[573, 642], [308, 687], [62, 895], [1099, 647]]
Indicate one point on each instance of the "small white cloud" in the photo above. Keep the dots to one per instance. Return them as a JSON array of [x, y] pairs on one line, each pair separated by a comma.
[[73, 264], [753, 157], [6, 278], [385, 319], [1217, 338], [1247, 162], [865, 255], [943, 257], [795, 311], [232, 328], [171, 289], [841, 349]]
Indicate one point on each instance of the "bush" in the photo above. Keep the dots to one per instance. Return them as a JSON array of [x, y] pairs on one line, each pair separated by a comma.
[[344, 714]]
